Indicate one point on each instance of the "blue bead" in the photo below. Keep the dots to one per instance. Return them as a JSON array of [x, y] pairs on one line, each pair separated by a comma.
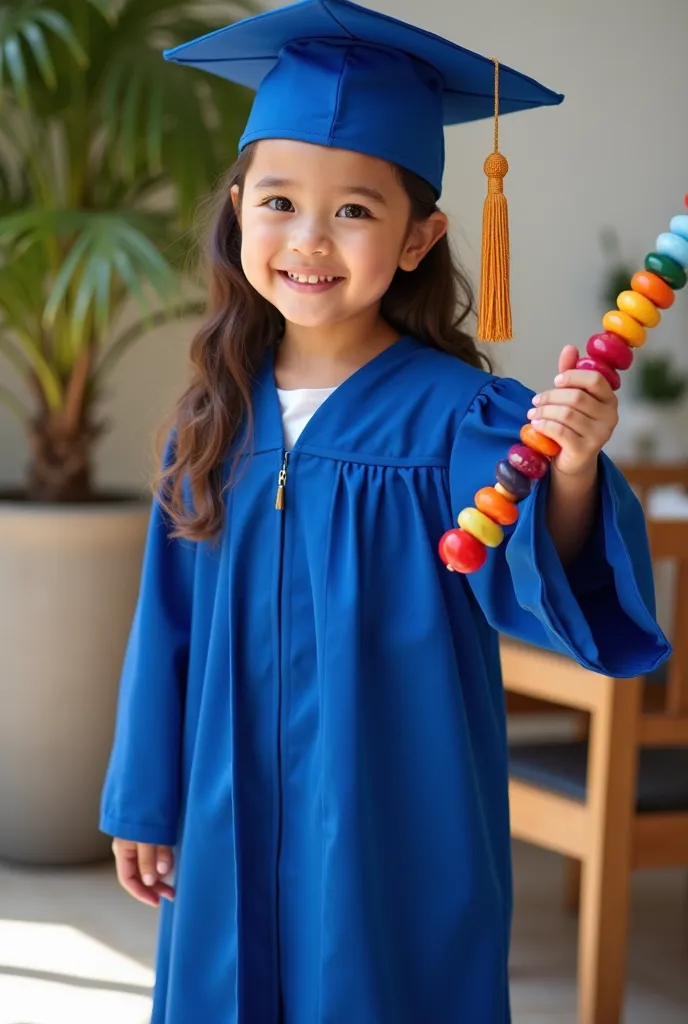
[[679, 225], [673, 246]]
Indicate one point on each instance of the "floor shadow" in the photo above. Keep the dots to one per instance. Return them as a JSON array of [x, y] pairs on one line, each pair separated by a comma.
[[75, 981]]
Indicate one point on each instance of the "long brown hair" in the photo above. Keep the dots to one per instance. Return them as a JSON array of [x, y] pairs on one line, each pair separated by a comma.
[[430, 303]]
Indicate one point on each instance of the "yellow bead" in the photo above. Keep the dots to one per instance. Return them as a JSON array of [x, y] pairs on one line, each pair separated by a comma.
[[625, 326], [481, 527], [640, 308], [505, 494]]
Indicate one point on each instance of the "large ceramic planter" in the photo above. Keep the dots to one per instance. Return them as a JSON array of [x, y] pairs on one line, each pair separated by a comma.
[[68, 585]]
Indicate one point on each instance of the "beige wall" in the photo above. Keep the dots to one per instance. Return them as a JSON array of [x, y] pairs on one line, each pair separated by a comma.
[[616, 152]]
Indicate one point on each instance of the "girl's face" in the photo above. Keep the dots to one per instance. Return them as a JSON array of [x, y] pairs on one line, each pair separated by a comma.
[[324, 230]]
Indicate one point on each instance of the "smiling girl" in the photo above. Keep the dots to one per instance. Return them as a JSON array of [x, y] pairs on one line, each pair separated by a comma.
[[310, 760]]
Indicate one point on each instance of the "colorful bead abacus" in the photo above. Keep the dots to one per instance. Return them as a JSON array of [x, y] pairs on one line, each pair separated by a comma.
[[652, 289]]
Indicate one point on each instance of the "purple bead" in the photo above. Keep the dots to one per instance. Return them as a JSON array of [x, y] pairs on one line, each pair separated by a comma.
[[527, 461], [513, 480]]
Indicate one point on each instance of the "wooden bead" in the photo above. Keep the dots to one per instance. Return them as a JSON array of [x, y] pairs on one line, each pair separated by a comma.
[[612, 349], [540, 442], [625, 326], [505, 494], [673, 246], [640, 308], [666, 268], [493, 504], [481, 527], [527, 461], [679, 225], [512, 480], [653, 288], [599, 366], [461, 552]]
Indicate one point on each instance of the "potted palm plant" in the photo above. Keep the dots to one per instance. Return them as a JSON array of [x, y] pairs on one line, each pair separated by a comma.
[[105, 150]]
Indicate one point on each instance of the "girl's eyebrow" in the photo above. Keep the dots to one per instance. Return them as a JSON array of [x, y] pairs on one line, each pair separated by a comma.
[[270, 181]]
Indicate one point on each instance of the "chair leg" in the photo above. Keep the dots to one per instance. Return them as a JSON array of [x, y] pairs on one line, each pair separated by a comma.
[[605, 883], [572, 866]]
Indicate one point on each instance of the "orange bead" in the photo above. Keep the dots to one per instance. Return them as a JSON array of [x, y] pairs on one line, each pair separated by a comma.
[[539, 442], [640, 308], [500, 489], [618, 322], [496, 506], [653, 288]]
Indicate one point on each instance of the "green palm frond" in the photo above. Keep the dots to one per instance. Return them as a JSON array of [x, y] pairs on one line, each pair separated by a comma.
[[106, 150], [24, 30], [161, 115], [109, 253], [121, 345], [107, 8]]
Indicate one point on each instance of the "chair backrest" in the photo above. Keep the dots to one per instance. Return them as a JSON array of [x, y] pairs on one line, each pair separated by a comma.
[[669, 541], [643, 477]]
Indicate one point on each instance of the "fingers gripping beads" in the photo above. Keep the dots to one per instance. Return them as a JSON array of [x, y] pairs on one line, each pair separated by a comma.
[[652, 289]]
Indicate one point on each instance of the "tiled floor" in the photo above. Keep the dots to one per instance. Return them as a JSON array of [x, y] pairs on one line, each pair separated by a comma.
[[75, 950]]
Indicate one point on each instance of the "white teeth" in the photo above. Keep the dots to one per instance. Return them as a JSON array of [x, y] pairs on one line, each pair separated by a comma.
[[309, 279]]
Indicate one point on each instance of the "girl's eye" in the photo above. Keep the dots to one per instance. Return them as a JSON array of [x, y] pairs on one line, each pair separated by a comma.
[[354, 211], [280, 203]]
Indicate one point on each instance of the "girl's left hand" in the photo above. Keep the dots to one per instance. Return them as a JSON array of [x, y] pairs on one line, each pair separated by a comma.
[[580, 413]]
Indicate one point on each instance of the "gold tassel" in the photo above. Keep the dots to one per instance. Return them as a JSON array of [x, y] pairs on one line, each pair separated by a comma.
[[494, 311]]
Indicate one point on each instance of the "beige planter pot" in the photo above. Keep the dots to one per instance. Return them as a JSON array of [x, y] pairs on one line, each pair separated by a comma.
[[68, 584]]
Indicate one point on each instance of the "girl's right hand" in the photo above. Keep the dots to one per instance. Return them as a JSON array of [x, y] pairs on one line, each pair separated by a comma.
[[141, 869]]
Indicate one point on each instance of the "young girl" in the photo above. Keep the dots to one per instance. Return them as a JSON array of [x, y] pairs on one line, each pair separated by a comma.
[[311, 727]]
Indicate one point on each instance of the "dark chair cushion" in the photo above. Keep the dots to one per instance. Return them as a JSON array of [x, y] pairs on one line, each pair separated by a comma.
[[562, 767], [660, 675]]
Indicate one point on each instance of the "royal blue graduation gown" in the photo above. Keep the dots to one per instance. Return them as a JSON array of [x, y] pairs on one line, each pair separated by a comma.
[[312, 712]]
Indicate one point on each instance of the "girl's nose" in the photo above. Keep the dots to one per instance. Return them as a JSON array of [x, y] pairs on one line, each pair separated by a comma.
[[309, 240]]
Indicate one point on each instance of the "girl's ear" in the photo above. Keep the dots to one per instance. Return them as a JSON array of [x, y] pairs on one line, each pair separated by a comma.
[[236, 201], [421, 238]]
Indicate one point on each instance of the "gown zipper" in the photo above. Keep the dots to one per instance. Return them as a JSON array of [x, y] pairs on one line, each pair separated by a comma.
[[282, 484], [279, 506]]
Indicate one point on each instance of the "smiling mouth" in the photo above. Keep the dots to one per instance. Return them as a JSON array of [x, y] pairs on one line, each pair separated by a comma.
[[310, 278]]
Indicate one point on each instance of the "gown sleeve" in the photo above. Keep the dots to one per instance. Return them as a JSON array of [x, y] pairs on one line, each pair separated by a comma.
[[601, 611], [140, 797]]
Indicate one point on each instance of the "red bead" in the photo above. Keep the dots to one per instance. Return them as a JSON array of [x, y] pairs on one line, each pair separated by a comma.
[[608, 372], [612, 349], [462, 552], [526, 460]]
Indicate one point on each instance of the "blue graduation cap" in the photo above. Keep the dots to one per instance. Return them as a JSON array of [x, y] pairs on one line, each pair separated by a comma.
[[333, 73]]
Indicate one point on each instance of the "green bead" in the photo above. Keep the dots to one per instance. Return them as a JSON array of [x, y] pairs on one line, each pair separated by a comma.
[[666, 268]]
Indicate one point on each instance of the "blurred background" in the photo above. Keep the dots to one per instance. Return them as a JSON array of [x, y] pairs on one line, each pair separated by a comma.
[[108, 156]]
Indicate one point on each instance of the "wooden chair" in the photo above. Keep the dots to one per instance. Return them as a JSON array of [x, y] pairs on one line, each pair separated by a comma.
[[643, 477], [616, 799]]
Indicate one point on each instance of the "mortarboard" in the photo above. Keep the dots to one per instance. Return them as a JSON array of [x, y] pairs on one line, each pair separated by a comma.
[[336, 74]]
